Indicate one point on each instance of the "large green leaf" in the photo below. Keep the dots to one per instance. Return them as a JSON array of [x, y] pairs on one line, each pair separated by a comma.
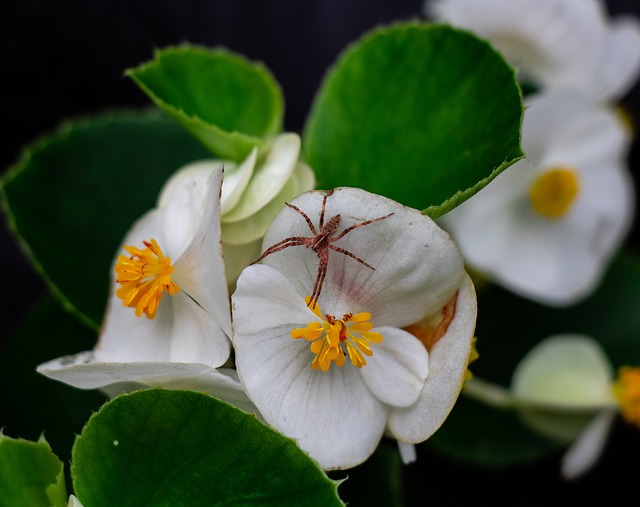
[[224, 100], [30, 474], [424, 114], [508, 327], [75, 193], [181, 448]]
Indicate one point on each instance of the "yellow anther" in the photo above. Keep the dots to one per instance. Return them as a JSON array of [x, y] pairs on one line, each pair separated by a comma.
[[627, 392], [554, 191], [331, 336], [144, 277]]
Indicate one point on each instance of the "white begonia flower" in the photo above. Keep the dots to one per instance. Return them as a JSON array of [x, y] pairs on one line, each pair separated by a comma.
[[302, 360], [564, 389], [547, 227], [253, 193], [178, 339], [74, 502], [554, 43]]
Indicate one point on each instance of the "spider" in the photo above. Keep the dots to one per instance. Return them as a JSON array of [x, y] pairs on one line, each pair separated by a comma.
[[321, 242]]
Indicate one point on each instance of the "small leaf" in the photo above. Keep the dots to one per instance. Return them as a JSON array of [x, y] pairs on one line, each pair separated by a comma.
[[30, 474], [74, 194], [225, 101], [426, 115], [181, 448]]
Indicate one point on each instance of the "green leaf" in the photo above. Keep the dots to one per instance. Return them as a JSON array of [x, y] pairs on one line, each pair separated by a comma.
[[227, 102], [508, 327], [181, 448], [74, 194], [424, 114], [30, 474]]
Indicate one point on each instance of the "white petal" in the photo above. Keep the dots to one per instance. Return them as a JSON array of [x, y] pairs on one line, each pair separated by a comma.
[[85, 372], [554, 43], [74, 502], [254, 226], [398, 368], [125, 337], [565, 371], [621, 63], [332, 415], [417, 267], [268, 178], [182, 200], [197, 336], [200, 270], [407, 452], [556, 262], [265, 299], [448, 361], [236, 181], [587, 448]]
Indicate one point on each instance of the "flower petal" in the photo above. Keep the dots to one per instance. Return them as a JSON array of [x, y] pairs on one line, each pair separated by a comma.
[[557, 43], [200, 270], [268, 178], [587, 448], [85, 372], [398, 368], [448, 361], [417, 267], [332, 414], [565, 371], [621, 63]]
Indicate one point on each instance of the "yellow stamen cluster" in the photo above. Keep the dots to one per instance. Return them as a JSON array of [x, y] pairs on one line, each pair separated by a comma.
[[144, 277], [627, 392], [331, 336], [554, 191]]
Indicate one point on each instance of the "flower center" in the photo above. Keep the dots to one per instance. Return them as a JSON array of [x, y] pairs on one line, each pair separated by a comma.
[[332, 336], [143, 278], [554, 191], [627, 392]]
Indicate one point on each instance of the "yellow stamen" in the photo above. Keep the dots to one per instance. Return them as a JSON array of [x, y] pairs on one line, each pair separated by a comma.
[[144, 277], [554, 191], [627, 392], [331, 336]]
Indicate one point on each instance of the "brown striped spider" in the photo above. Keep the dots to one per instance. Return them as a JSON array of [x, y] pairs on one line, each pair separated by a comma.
[[321, 242]]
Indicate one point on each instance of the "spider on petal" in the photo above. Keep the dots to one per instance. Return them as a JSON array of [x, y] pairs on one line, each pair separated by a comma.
[[321, 242]]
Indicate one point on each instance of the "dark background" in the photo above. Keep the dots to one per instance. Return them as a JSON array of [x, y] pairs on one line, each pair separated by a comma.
[[62, 59]]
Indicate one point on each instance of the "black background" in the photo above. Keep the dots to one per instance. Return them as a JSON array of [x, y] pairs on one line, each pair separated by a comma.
[[62, 59]]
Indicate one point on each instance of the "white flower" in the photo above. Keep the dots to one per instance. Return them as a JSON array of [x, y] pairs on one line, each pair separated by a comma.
[[168, 321], [252, 195], [564, 389], [554, 43], [547, 226], [337, 372]]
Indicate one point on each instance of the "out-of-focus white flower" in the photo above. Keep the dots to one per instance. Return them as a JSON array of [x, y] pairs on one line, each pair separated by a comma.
[[74, 502], [554, 43], [336, 372], [564, 389], [168, 321], [547, 227], [253, 193]]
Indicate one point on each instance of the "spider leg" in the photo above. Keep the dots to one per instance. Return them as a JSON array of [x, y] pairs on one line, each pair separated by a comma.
[[324, 205], [281, 245], [355, 226], [306, 218], [317, 286], [349, 254]]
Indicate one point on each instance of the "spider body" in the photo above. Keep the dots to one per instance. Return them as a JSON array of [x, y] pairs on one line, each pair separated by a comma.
[[321, 242]]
